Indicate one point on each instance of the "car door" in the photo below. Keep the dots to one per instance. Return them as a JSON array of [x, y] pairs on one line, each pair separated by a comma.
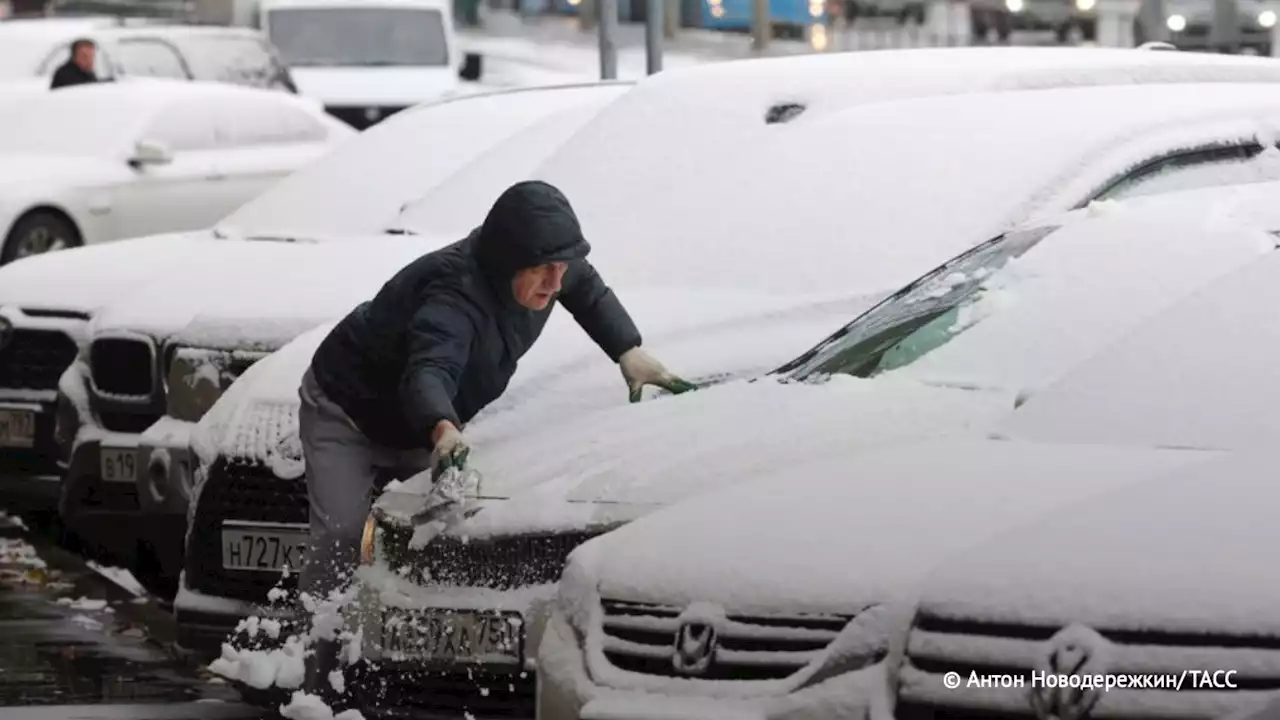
[[185, 192], [269, 137]]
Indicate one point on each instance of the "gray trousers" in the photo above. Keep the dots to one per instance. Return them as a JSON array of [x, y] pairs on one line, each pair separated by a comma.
[[342, 468]]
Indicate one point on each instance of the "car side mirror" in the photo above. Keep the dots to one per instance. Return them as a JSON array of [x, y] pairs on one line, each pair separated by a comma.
[[472, 67], [150, 152]]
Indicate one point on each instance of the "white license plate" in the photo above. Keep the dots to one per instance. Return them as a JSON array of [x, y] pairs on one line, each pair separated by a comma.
[[452, 636], [268, 549], [118, 464], [17, 428]]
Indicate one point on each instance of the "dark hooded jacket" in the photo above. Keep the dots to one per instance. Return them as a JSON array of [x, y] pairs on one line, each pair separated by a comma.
[[441, 340], [69, 73]]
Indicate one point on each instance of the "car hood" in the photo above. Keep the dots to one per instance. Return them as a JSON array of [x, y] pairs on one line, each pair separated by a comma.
[[259, 294], [1198, 564], [564, 376], [85, 278], [376, 86], [833, 533], [635, 459]]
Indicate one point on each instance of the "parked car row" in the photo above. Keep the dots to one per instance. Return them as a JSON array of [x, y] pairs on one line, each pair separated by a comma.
[[947, 293]]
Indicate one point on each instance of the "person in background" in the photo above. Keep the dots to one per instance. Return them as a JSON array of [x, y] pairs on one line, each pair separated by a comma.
[[78, 69]]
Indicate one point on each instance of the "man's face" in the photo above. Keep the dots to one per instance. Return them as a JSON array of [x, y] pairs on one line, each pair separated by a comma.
[[84, 56], [535, 287]]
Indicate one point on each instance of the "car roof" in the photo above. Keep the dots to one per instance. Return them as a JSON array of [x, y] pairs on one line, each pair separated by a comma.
[[936, 174]]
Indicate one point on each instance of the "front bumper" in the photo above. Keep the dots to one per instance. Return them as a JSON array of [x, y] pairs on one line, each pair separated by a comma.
[[204, 622], [30, 476], [104, 511], [567, 691]]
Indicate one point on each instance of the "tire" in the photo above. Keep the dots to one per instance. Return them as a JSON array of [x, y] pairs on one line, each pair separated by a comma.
[[38, 232]]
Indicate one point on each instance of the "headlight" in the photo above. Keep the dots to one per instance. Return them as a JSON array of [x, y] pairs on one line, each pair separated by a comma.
[[1176, 23], [1267, 18], [197, 378], [1015, 6], [1086, 5], [367, 544]]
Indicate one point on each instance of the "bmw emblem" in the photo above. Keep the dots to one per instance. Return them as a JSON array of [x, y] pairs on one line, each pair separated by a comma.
[[6, 332], [372, 114]]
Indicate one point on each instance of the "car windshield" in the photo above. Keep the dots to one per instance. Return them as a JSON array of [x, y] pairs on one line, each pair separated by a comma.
[[359, 37], [68, 122], [921, 317], [234, 59]]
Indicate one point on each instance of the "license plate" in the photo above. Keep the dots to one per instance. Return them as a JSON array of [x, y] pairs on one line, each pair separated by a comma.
[[17, 428], [270, 549], [452, 636], [118, 464]]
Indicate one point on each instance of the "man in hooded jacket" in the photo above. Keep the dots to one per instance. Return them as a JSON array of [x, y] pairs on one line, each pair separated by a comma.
[[403, 373]]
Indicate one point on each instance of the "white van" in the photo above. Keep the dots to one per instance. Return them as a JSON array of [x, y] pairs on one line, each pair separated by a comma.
[[363, 59]]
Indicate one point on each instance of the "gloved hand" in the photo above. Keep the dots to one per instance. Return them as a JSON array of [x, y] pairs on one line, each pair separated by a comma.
[[450, 451], [639, 368]]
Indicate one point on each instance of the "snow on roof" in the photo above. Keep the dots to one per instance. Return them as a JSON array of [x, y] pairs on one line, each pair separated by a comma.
[[772, 543], [1108, 270], [373, 176], [1208, 531], [929, 177], [1201, 374]]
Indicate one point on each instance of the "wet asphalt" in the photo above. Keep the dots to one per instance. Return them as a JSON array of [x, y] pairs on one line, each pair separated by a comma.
[[74, 645]]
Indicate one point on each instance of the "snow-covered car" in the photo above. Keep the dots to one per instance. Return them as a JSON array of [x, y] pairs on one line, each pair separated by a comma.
[[95, 163], [311, 248], [144, 48], [1162, 577], [789, 594], [1070, 20], [1041, 151]]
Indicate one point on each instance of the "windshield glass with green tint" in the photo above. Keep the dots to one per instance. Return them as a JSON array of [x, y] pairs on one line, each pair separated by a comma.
[[921, 317]]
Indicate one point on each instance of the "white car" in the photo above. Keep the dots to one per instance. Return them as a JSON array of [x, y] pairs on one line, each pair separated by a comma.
[[705, 307], [144, 48], [1166, 575], [103, 162], [788, 594], [310, 249]]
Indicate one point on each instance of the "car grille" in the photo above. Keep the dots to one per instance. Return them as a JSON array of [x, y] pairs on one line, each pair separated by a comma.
[[938, 645], [35, 359], [358, 118], [502, 563], [240, 490], [414, 693], [123, 367], [640, 638]]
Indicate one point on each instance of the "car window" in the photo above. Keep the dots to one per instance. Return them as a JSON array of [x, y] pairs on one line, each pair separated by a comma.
[[359, 37], [190, 125], [103, 63], [266, 121], [238, 59], [1208, 167], [919, 318], [149, 58]]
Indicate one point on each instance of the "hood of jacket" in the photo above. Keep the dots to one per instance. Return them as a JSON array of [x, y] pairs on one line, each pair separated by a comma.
[[531, 224]]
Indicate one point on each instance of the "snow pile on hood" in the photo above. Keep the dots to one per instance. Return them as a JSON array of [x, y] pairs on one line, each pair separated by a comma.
[[1195, 568], [771, 544], [656, 453]]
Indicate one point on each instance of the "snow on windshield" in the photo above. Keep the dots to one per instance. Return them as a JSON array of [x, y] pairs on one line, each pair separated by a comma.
[[359, 37], [1202, 374], [361, 186], [239, 59]]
